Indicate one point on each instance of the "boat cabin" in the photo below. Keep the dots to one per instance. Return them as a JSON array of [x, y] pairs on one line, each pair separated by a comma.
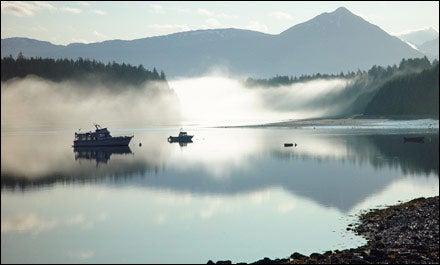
[[99, 134]]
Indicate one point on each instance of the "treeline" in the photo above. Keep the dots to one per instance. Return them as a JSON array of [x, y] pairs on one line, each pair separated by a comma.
[[80, 70], [412, 94], [363, 86], [376, 72]]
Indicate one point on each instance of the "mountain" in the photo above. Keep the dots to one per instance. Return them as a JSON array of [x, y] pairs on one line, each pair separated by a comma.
[[29, 47], [430, 48], [425, 40], [329, 43], [344, 41], [419, 37]]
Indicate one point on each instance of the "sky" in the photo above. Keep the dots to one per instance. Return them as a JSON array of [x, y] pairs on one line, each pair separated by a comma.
[[64, 22]]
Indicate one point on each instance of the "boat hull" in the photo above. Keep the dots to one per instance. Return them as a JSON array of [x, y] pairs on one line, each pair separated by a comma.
[[420, 139], [114, 141], [180, 139]]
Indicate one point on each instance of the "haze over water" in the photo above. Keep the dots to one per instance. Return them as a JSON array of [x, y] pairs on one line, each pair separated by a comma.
[[216, 99], [234, 193]]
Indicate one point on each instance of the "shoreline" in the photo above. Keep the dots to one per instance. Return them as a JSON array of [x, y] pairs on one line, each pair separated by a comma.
[[353, 121], [404, 233]]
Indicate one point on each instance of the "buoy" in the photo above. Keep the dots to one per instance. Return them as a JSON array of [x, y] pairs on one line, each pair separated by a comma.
[[140, 144]]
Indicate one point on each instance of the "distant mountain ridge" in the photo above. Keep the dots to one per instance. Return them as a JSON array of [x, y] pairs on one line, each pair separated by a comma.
[[329, 43], [419, 37], [425, 40], [430, 48]]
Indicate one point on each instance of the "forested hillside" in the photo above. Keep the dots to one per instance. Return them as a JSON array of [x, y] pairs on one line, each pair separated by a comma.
[[412, 94], [80, 70], [364, 85]]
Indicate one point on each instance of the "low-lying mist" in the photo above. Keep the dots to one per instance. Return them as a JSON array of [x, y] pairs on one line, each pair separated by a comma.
[[215, 99], [220, 100], [35, 103]]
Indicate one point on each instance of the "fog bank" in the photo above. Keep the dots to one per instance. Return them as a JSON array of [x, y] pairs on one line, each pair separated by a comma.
[[219, 100], [35, 103]]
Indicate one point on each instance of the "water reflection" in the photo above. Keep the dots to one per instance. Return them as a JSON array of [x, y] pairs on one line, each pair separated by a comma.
[[100, 154], [228, 191], [334, 168], [411, 158], [181, 143]]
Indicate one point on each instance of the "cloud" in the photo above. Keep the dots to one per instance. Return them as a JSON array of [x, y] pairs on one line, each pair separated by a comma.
[[98, 34], [212, 22], [72, 10], [83, 3], [29, 9], [99, 12], [168, 28], [157, 8], [256, 26], [285, 207], [182, 10], [24, 9], [82, 254], [78, 219], [79, 40], [281, 15], [85, 254], [30, 222], [160, 219], [204, 12], [39, 28], [44, 6], [225, 16]]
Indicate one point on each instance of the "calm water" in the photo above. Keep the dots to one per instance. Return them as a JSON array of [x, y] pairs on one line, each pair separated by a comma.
[[234, 193]]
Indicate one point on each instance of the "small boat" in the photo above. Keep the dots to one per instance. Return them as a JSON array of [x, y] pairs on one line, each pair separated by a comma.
[[182, 138], [100, 137], [288, 144], [418, 139]]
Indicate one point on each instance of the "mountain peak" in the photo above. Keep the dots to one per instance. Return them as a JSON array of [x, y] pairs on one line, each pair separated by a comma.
[[342, 10], [341, 17]]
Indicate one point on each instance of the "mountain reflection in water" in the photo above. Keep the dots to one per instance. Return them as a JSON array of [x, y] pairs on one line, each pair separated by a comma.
[[334, 168]]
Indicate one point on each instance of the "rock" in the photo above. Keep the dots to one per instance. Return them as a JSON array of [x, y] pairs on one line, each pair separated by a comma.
[[297, 255], [317, 256], [407, 233], [222, 262]]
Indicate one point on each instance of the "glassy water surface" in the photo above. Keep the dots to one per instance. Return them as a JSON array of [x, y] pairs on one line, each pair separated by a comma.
[[233, 193]]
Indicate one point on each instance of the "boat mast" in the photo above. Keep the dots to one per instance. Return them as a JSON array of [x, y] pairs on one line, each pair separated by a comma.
[[97, 126]]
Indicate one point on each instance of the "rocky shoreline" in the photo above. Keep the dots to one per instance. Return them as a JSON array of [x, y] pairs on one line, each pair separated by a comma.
[[407, 233]]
